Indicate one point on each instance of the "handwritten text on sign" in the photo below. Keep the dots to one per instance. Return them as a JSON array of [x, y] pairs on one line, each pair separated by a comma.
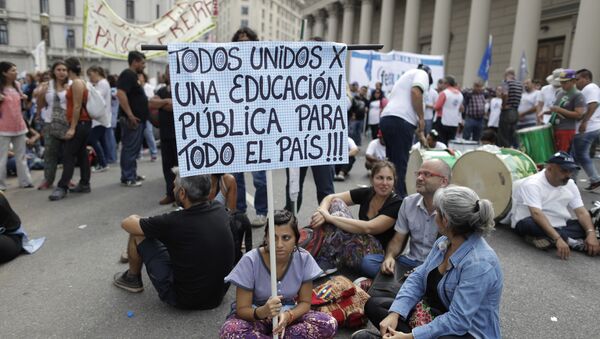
[[258, 105]]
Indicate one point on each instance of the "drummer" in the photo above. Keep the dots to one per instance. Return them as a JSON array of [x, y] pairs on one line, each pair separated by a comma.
[[542, 205], [432, 141]]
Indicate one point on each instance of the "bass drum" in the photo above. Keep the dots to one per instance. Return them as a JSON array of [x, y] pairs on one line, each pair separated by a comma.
[[492, 173], [537, 142], [462, 145], [417, 157]]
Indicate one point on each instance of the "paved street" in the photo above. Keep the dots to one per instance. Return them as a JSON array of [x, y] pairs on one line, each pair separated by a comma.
[[65, 290]]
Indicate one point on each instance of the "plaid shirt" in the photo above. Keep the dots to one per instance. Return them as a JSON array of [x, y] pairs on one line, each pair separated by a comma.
[[474, 104]]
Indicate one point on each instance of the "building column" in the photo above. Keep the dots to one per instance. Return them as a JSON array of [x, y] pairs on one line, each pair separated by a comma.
[[308, 31], [477, 39], [332, 22], [410, 38], [440, 36], [585, 53], [319, 27], [386, 25], [366, 15], [348, 21], [526, 34]]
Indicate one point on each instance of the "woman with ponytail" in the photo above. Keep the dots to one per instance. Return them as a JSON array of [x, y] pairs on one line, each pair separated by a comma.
[[457, 290]]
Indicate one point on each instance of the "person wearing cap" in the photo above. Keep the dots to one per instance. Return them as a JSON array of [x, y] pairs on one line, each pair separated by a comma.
[[542, 205], [569, 107], [589, 128], [548, 96], [375, 151], [404, 116], [432, 142]]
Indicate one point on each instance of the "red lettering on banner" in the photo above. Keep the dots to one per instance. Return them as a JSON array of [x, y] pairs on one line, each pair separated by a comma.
[[160, 39], [185, 21], [174, 28], [203, 6], [102, 33], [97, 10]]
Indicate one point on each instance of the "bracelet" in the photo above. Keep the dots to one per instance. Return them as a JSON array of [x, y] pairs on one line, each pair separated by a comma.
[[291, 316], [255, 314], [590, 231], [557, 238]]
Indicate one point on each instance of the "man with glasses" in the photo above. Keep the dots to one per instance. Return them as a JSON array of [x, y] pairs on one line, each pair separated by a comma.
[[416, 219]]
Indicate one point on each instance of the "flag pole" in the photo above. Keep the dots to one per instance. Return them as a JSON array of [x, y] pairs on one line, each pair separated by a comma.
[[271, 225]]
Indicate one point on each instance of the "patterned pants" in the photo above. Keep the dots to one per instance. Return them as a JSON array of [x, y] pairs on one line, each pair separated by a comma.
[[312, 325], [341, 248]]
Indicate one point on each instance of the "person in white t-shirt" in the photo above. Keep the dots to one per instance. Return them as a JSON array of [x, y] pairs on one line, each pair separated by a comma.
[[528, 105], [404, 116], [432, 142], [448, 109], [547, 96], [589, 126], [430, 99], [542, 205], [375, 151], [495, 109]]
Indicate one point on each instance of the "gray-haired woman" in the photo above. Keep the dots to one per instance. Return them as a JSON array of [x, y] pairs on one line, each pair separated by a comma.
[[461, 279]]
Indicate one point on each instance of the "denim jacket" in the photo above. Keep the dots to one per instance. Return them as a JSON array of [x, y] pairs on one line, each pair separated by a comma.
[[470, 290]]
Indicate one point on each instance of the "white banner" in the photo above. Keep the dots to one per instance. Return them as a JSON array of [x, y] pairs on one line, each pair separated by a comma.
[[108, 34], [367, 68], [258, 105], [40, 59]]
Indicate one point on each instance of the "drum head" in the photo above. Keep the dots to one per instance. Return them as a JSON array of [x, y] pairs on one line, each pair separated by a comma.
[[487, 175], [415, 160]]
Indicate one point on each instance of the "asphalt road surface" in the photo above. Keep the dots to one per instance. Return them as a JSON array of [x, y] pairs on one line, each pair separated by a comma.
[[65, 290]]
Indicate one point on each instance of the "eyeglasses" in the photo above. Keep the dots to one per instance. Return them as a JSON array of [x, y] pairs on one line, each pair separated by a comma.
[[427, 174]]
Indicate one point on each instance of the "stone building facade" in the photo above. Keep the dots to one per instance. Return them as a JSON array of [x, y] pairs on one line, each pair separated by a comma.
[[551, 33]]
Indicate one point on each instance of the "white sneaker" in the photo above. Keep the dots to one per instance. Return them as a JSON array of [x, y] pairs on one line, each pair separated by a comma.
[[259, 221]]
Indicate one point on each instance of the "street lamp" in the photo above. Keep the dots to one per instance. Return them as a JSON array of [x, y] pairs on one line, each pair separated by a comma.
[[45, 27]]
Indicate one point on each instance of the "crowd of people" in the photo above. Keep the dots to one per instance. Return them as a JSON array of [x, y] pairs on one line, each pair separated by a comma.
[[432, 272]]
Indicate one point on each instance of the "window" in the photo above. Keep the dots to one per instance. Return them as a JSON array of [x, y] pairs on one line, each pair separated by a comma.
[[3, 4], [70, 38], [130, 7], [44, 7], [70, 7], [244, 23], [157, 11], [244, 10], [3, 33]]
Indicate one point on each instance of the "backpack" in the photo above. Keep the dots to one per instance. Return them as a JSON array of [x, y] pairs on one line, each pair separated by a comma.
[[341, 299], [95, 105]]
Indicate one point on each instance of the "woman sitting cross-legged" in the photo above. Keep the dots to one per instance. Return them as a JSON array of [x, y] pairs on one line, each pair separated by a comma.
[[348, 240], [460, 282], [254, 308]]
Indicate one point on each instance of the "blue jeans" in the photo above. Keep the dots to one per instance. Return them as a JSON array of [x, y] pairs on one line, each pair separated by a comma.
[[111, 146], [572, 230], [355, 130], [371, 263], [473, 128], [397, 134], [323, 177], [260, 195], [149, 136], [581, 145], [96, 140], [131, 143]]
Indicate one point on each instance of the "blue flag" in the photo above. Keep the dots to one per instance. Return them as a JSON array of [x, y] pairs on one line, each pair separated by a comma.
[[486, 62], [523, 72]]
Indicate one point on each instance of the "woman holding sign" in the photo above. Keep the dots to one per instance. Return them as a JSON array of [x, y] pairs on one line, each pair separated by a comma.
[[254, 307], [347, 240]]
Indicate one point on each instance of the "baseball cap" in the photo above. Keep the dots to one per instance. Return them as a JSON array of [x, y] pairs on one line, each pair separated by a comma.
[[428, 70], [567, 75], [564, 160], [552, 79]]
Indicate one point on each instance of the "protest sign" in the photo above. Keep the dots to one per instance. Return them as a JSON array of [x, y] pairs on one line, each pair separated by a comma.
[[367, 68], [258, 105], [106, 33]]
